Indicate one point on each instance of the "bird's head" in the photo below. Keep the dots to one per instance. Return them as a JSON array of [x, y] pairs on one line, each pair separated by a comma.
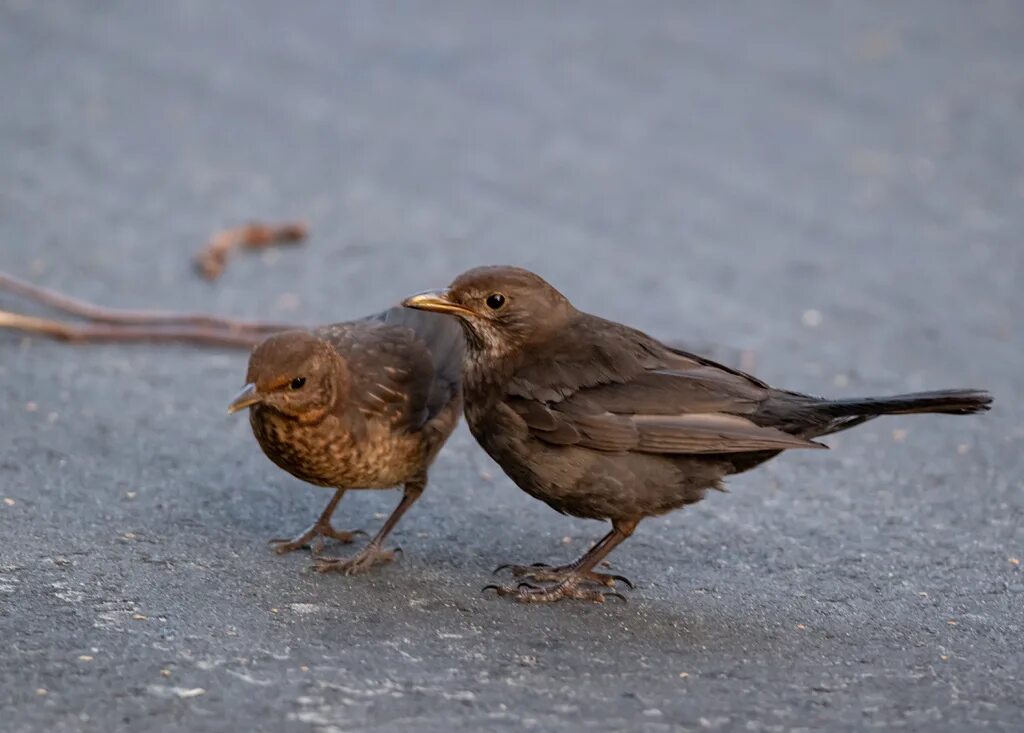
[[501, 308], [295, 374]]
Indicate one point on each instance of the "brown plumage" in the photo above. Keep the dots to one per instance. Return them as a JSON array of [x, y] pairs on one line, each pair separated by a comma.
[[602, 421], [359, 405]]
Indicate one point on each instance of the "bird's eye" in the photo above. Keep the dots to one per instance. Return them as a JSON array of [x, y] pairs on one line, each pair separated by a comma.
[[298, 383], [495, 301]]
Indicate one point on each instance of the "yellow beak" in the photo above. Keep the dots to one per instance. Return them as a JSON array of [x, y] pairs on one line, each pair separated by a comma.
[[437, 301], [246, 398]]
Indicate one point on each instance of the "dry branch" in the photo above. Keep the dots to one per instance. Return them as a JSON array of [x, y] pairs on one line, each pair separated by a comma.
[[212, 260], [63, 331]]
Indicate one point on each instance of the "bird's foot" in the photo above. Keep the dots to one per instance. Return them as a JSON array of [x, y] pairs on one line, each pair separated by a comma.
[[370, 556], [569, 588], [543, 573], [314, 537]]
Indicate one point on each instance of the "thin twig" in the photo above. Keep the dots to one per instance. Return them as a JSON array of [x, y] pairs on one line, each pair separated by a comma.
[[74, 333], [99, 314], [211, 260]]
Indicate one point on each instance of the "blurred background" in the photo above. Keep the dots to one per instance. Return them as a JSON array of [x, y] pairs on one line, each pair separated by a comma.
[[711, 157], [836, 186]]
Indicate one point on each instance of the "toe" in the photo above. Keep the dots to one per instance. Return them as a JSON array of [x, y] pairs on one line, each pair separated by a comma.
[[283, 547], [326, 566], [344, 537]]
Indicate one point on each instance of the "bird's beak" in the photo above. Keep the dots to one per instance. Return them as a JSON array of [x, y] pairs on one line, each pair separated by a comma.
[[246, 398], [437, 301]]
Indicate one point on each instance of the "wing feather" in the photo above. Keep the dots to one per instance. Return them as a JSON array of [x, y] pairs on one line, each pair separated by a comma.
[[612, 388], [404, 365]]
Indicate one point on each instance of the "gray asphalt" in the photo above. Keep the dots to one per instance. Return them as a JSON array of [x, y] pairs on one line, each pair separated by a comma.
[[838, 186]]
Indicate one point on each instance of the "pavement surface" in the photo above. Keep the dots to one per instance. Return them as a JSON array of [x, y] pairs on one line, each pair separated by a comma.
[[837, 186]]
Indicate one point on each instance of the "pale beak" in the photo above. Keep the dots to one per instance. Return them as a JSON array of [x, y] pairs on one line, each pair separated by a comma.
[[246, 398], [437, 301]]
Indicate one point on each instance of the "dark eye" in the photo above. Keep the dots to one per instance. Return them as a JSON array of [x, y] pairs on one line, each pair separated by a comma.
[[298, 383], [495, 301]]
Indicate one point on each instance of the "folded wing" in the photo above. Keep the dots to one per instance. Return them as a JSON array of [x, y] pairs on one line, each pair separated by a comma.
[[631, 393]]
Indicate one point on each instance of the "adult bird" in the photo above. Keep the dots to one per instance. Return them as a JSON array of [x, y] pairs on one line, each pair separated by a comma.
[[365, 404], [601, 421]]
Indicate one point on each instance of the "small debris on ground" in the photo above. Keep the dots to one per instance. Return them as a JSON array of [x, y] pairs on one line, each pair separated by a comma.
[[812, 318], [212, 260]]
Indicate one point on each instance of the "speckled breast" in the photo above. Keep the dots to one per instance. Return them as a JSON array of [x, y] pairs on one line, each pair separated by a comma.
[[328, 455]]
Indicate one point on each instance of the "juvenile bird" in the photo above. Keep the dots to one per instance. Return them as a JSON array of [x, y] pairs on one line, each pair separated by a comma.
[[359, 405], [602, 421]]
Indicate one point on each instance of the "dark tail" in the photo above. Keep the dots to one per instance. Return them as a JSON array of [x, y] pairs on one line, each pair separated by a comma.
[[945, 402], [811, 417]]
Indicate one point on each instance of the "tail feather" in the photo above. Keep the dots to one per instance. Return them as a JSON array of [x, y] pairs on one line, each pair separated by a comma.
[[945, 402]]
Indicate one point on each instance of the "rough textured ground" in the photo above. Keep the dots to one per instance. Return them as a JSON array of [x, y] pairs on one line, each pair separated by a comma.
[[839, 186]]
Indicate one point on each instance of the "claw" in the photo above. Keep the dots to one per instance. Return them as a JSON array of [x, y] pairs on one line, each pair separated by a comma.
[[491, 586], [624, 580], [498, 569]]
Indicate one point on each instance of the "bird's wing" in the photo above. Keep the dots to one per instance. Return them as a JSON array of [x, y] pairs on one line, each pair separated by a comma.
[[391, 370], [443, 338], [610, 388], [590, 353], [695, 433]]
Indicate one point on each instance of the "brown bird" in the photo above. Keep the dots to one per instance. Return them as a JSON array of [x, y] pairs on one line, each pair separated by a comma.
[[602, 421], [360, 405]]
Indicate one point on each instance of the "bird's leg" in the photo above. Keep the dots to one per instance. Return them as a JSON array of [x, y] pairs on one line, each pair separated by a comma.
[[570, 582], [374, 553], [314, 536], [544, 573]]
